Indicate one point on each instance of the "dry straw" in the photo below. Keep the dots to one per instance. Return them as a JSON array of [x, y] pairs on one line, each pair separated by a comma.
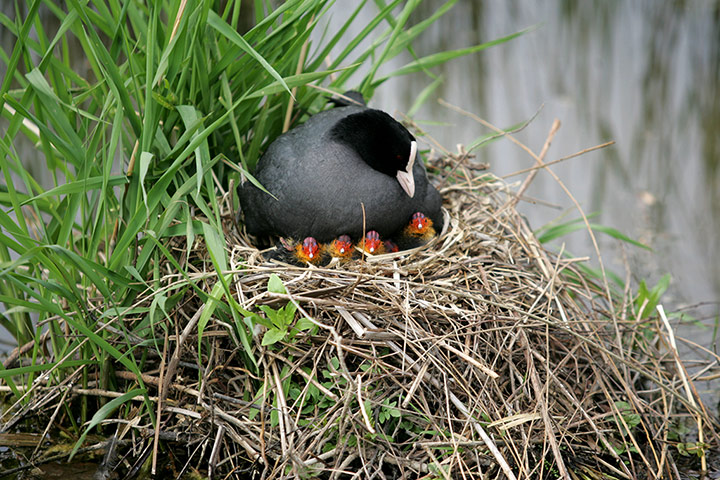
[[498, 358], [479, 355]]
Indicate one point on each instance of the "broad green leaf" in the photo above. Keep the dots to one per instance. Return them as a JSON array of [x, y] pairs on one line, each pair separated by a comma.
[[216, 247], [292, 81], [231, 34], [304, 324], [79, 186], [273, 336], [275, 285]]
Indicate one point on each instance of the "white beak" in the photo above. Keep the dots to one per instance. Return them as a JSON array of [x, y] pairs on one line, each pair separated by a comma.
[[405, 177]]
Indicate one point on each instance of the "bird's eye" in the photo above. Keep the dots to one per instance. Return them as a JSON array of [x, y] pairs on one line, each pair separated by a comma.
[[399, 157]]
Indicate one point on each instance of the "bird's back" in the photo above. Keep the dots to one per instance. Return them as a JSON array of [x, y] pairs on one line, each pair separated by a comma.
[[321, 186]]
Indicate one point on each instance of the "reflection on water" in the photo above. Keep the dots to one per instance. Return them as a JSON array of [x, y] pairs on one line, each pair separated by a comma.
[[645, 74]]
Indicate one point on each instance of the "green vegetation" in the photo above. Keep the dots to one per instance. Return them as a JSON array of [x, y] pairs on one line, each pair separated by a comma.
[[123, 286], [146, 114]]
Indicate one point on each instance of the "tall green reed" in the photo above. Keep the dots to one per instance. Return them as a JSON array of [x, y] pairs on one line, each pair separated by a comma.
[[173, 95]]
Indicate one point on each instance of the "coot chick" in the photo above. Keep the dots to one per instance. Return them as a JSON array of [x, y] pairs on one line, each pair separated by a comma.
[[300, 254], [372, 243], [390, 246], [325, 170], [418, 232], [341, 248]]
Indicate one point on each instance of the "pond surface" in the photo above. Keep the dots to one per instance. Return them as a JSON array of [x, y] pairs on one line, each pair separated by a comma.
[[644, 74]]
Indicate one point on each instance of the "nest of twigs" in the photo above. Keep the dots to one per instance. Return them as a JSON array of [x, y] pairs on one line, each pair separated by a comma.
[[478, 355]]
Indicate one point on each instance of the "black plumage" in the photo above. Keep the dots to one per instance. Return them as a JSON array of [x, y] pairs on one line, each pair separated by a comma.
[[322, 171]]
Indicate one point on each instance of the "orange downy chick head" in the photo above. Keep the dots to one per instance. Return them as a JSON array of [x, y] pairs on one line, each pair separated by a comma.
[[372, 243], [341, 247], [419, 225], [308, 251]]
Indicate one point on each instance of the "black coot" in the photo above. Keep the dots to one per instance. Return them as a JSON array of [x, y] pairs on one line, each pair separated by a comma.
[[322, 171]]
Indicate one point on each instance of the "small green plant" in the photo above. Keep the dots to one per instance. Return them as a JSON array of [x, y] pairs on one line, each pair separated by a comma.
[[647, 298], [682, 429], [629, 421], [692, 448], [279, 321], [388, 410]]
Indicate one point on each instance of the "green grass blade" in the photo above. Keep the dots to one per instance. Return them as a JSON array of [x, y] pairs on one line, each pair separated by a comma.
[[223, 28], [105, 412], [443, 57]]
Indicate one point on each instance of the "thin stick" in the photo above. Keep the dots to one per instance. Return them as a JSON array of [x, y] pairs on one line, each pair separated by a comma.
[[558, 160], [686, 383], [161, 395], [298, 71], [362, 406]]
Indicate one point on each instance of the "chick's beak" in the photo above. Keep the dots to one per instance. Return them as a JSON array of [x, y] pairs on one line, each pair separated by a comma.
[[405, 177]]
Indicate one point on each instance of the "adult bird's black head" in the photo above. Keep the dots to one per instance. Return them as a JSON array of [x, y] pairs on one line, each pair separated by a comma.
[[382, 142]]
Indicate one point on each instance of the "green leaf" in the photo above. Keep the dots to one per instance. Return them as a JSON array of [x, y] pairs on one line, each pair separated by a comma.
[[424, 95], [231, 34], [304, 324], [444, 57], [275, 316], [255, 319], [145, 160], [104, 412], [292, 82], [214, 299], [273, 336], [275, 285], [631, 418], [652, 296], [41, 367], [549, 233], [216, 247]]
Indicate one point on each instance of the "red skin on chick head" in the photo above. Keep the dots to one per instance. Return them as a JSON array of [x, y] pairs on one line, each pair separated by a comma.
[[372, 243], [308, 251], [420, 227], [420, 224], [341, 247]]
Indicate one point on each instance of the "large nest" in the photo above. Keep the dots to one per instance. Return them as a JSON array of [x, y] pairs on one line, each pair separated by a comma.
[[478, 355]]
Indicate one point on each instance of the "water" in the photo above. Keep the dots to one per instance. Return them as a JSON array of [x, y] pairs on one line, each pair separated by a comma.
[[644, 74]]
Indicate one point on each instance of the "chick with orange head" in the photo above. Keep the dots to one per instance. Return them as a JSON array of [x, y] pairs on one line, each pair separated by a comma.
[[418, 232], [309, 251], [341, 248], [372, 244], [300, 254]]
